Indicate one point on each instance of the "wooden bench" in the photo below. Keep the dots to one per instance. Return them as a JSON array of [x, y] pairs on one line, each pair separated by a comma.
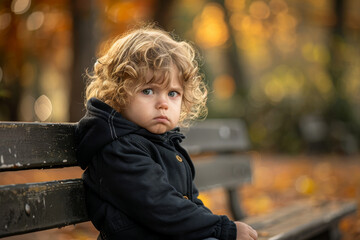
[[38, 206], [317, 220], [217, 146]]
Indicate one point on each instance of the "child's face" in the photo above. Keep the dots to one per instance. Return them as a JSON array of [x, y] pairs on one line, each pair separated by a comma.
[[155, 107]]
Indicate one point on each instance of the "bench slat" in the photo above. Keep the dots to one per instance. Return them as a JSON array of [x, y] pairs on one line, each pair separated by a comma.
[[304, 220], [39, 206], [36, 145], [216, 135], [225, 170], [51, 145]]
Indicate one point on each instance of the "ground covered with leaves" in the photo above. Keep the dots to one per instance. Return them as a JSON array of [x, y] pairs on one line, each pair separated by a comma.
[[278, 180]]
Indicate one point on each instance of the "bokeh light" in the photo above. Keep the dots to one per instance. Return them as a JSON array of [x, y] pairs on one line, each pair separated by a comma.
[[20, 6], [321, 81], [316, 53], [43, 108], [5, 19], [259, 10], [283, 82], [224, 87], [121, 11], [235, 5], [210, 27], [278, 6], [35, 21]]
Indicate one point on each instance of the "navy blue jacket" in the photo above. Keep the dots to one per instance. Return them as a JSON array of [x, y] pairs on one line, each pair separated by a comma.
[[139, 185]]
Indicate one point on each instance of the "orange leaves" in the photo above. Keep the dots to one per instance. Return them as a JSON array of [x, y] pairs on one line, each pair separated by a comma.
[[305, 185], [258, 204], [280, 180]]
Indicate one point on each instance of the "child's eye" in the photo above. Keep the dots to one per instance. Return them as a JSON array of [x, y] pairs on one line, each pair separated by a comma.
[[173, 94], [147, 91]]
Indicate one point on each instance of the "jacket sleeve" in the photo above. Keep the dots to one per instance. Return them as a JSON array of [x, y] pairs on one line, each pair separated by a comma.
[[131, 178], [197, 201]]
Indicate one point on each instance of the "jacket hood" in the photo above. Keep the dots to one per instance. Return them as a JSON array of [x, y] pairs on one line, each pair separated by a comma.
[[102, 124]]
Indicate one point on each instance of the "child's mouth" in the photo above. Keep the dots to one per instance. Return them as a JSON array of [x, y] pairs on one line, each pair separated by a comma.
[[162, 119]]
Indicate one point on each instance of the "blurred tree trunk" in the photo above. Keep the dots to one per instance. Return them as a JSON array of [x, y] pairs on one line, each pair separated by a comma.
[[10, 89], [339, 108], [85, 40], [343, 124], [336, 40], [235, 68], [163, 12]]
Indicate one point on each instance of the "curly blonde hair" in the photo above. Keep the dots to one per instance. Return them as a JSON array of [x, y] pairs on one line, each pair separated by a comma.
[[122, 70]]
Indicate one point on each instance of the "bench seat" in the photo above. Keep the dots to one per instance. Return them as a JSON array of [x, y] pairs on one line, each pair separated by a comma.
[[303, 220]]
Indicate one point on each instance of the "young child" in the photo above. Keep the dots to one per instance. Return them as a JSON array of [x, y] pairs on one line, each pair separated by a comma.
[[138, 178]]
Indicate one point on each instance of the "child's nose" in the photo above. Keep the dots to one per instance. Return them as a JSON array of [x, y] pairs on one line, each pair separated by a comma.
[[162, 102]]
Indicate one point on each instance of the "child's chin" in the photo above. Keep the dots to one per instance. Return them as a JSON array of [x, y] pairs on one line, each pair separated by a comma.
[[158, 130]]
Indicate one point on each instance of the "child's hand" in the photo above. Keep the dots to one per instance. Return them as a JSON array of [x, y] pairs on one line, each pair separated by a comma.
[[245, 232]]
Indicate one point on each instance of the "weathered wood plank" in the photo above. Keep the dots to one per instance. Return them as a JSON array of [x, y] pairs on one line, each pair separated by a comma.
[[38, 206], [43, 145], [217, 135], [305, 220], [36, 145], [50, 145], [229, 171]]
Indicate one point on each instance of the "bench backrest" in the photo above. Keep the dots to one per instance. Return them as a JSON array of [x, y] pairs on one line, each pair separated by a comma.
[[223, 139], [38, 206], [217, 135]]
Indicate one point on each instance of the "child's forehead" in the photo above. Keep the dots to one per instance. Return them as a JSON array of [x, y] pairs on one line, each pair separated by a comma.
[[163, 78]]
